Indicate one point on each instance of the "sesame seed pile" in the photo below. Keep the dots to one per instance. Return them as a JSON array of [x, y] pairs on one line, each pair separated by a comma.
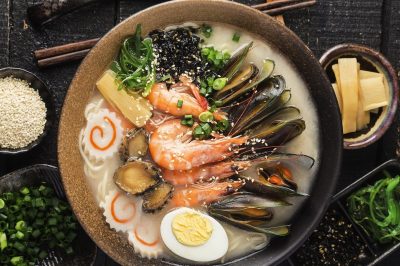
[[178, 52], [22, 113]]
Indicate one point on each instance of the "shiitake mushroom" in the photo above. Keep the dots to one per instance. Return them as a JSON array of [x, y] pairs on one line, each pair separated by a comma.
[[156, 198], [137, 177]]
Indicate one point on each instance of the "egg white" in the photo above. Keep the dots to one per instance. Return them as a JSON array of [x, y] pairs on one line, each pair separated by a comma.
[[215, 248]]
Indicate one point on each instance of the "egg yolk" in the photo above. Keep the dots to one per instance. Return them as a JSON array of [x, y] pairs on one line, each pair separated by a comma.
[[191, 229]]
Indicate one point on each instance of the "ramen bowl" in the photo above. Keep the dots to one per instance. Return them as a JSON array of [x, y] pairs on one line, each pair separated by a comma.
[[373, 61], [172, 13]]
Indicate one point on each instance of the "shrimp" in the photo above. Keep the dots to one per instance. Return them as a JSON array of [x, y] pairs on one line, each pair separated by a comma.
[[205, 173], [196, 195], [167, 100], [172, 147]]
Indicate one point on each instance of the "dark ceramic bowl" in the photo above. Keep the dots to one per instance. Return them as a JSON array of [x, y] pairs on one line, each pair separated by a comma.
[[370, 60], [176, 12], [36, 84], [85, 249]]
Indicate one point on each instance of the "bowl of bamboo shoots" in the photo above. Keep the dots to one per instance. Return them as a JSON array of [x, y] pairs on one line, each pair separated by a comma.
[[366, 89]]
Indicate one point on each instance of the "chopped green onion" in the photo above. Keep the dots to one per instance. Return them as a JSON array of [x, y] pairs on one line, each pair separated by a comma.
[[236, 37], [52, 221], [3, 241], [179, 104], [20, 225], [17, 260], [19, 235], [219, 83], [42, 254], [188, 116], [2, 204], [206, 128], [25, 190], [206, 116], [206, 30]]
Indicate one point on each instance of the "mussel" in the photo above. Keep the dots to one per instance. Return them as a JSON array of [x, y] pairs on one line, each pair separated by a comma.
[[134, 145], [242, 78], [236, 61], [249, 211], [137, 177], [274, 177], [156, 198], [272, 96], [237, 94]]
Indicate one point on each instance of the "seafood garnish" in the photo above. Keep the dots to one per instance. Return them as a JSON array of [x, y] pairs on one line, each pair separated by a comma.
[[120, 211], [156, 198], [137, 177], [171, 147], [197, 196], [246, 206], [134, 145], [102, 135], [275, 175], [206, 173]]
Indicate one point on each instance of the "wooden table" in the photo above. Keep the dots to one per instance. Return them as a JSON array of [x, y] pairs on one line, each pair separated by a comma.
[[375, 23]]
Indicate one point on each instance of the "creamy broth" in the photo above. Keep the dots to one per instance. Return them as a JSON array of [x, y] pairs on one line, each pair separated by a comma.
[[241, 242]]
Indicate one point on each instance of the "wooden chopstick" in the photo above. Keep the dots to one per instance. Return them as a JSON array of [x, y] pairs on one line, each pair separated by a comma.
[[280, 10], [78, 50], [65, 49], [63, 58]]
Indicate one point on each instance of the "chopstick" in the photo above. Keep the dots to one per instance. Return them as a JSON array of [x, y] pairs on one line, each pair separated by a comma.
[[279, 7], [78, 50]]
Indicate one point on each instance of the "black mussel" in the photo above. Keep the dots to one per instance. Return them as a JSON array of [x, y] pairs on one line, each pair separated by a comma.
[[137, 177], [264, 102], [237, 94], [156, 198], [249, 211], [246, 206], [261, 226], [242, 78], [134, 145], [275, 176], [236, 61]]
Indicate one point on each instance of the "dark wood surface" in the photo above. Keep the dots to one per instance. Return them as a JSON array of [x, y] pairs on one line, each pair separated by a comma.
[[375, 23]]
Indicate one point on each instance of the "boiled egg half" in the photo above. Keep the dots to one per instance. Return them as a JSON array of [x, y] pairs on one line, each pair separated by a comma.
[[193, 235]]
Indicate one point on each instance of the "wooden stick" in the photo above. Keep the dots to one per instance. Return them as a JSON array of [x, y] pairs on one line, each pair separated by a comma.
[[64, 58], [280, 17], [274, 4], [65, 49], [281, 10]]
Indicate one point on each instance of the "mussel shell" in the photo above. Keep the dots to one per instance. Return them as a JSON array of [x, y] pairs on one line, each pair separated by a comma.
[[239, 80], [134, 145], [137, 177], [295, 163], [267, 100], [254, 225], [246, 206], [157, 197], [236, 61]]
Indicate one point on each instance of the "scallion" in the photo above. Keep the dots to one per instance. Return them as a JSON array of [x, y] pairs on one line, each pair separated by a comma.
[[179, 104], [236, 37]]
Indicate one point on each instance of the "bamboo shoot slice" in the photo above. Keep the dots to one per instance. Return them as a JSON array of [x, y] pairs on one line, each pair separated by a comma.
[[348, 71], [373, 92], [369, 74], [134, 107], [338, 97], [363, 117], [335, 69]]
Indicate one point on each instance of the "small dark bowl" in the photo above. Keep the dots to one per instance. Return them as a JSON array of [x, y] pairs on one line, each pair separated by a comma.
[[38, 85], [85, 249], [370, 60]]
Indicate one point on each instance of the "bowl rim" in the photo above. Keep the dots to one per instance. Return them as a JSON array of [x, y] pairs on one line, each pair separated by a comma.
[[49, 103], [336, 138], [347, 48]]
